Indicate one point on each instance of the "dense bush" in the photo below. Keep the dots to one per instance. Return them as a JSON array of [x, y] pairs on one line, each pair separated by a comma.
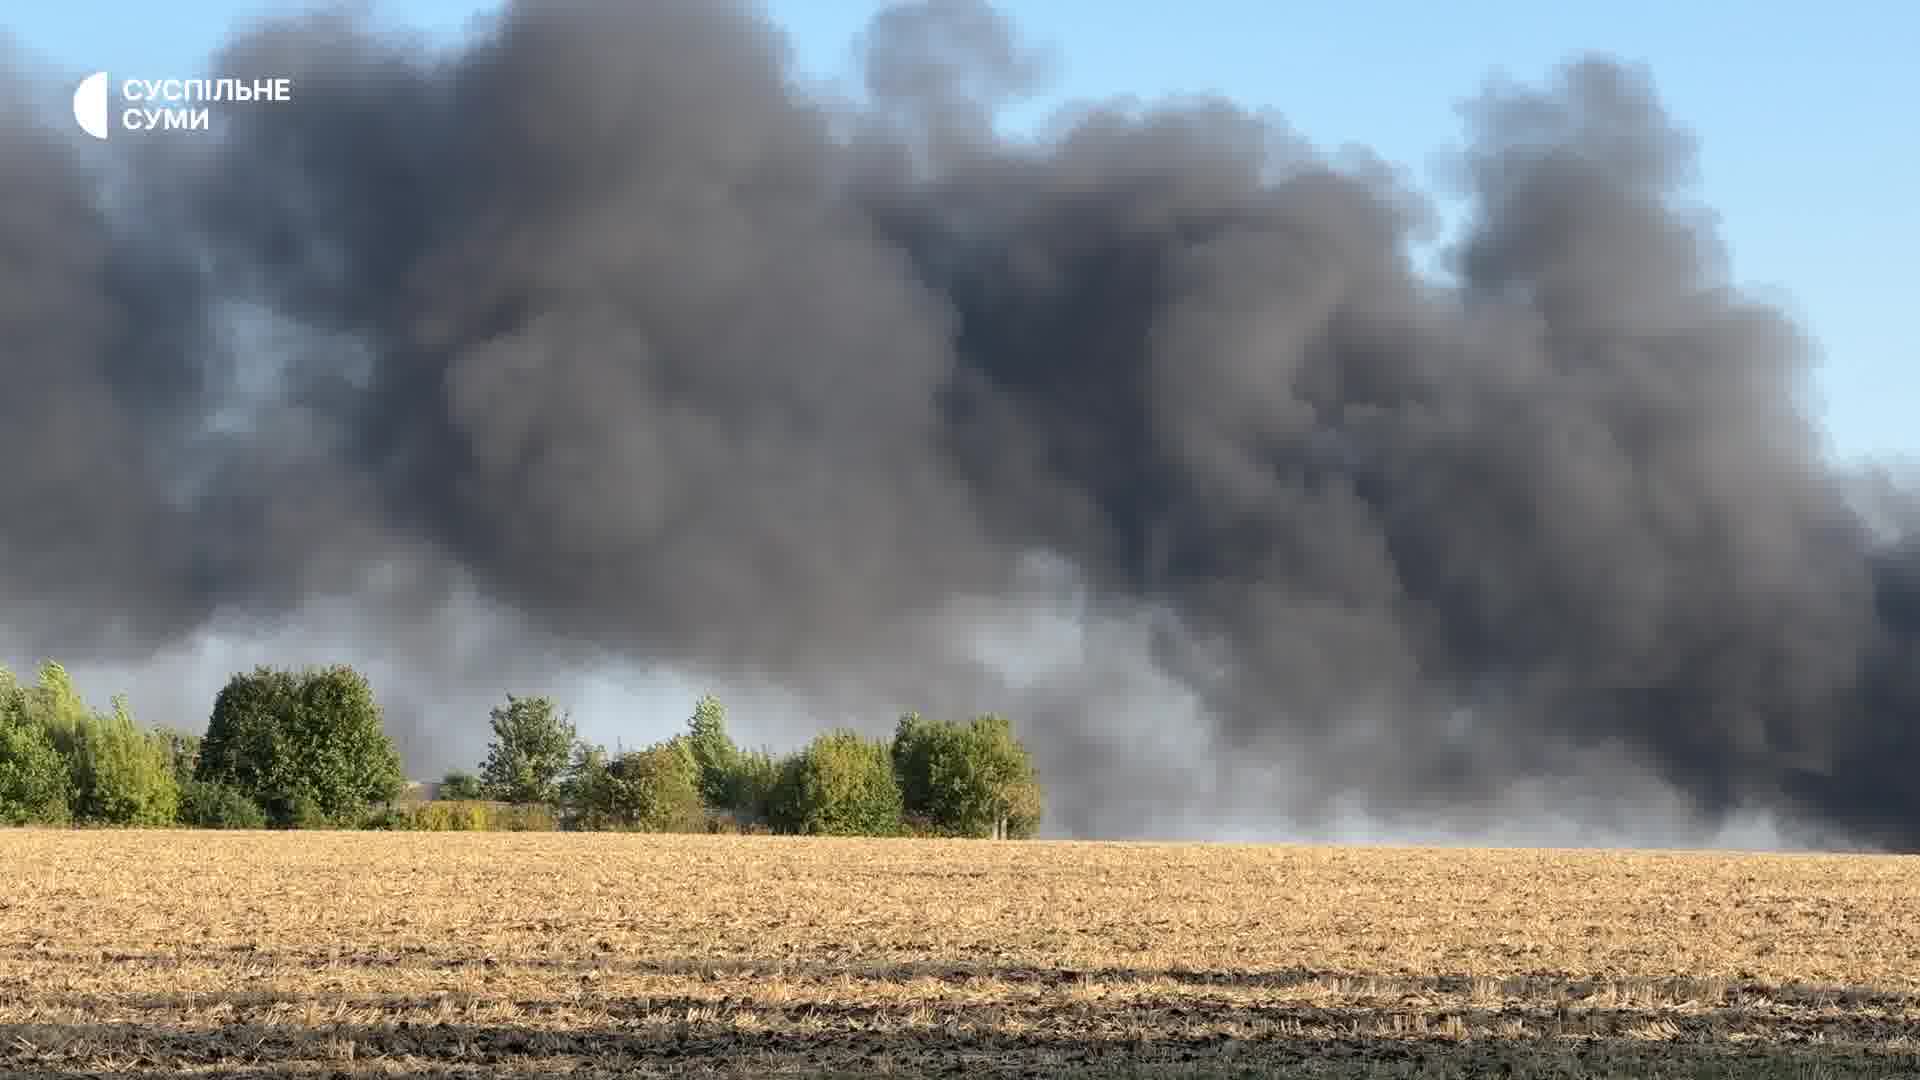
[[206, 805], [308, 746], [583, 792], [33, 774], [922, 827], [750, 787], [33, 777], [299, 810], [933, 779], [841, 785], [652, 790], [183, 750], [122, 775], [523, 819], [464, 816], [657, 789], [730, 823], [386, 819]]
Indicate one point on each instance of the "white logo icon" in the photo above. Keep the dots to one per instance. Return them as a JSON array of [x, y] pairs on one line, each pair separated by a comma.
[[90, 104]]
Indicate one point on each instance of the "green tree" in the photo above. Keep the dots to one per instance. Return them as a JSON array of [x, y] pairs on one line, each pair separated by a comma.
[[585, 793], [183, 750], [533, 743], [914, 738], [461, 785], [307, 746], [1006, 793], [656, 789], [116, 774], [33, 775], [974, 779], [56, 708], [840, 785], [714, 754], [756, 775], [124, 776]]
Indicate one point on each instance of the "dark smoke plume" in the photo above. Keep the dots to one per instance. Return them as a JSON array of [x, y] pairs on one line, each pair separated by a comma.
[[607, 320]]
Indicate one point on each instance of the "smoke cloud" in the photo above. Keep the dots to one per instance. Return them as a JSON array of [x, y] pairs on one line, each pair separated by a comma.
[[1148, 432]]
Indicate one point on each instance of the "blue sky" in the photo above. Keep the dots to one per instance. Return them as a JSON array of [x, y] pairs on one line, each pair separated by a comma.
[[1811, 152]]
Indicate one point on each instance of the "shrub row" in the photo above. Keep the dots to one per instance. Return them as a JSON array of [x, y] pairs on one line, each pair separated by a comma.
[[307, 749], [933, 778]]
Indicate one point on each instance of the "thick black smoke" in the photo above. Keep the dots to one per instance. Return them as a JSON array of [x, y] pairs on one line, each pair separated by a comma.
[[604, 317]]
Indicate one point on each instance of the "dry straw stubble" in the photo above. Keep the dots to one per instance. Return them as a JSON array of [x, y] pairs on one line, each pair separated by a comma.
[[506, 954]]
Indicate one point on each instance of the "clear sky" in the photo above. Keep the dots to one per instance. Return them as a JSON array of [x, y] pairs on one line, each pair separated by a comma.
[[1811, 150]]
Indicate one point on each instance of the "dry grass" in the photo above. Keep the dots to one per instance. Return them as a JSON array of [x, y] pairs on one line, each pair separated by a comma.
[[490, 955]]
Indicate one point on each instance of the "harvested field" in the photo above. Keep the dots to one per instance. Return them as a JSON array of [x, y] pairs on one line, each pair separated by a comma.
[[493, 955]]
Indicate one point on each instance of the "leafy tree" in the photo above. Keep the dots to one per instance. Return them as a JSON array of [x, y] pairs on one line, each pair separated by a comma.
[[308, 746], [532, 746], [33, 775], [968, 780], [55, 707], [756, 775], [116, 774], [840, 785], [1023, 809], [461, 785], [586, 790], [184, 752], [914, 738], [1006, 793], [124, 776], [714, 754], [655, 789]]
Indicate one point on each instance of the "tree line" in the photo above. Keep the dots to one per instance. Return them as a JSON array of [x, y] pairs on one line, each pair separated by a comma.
[[308, 749]]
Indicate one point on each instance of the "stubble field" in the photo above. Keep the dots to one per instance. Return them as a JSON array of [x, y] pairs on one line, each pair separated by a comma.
[[493, 955]]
